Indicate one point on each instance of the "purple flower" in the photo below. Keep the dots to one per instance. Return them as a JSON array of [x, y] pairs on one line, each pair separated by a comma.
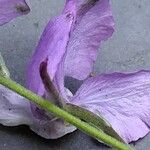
[[10, 9], [68, 47]]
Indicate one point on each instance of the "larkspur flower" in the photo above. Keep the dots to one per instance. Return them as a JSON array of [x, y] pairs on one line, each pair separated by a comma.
[[65, 44], [68, 47]]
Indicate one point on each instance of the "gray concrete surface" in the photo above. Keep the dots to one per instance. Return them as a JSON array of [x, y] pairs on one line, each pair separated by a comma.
[[127, 50]]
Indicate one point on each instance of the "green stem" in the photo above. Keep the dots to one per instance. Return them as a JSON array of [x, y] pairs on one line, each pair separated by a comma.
[[60, 113]]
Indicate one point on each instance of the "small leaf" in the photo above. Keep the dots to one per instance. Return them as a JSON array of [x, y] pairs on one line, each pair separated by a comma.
[[3, 69], [93, 119]]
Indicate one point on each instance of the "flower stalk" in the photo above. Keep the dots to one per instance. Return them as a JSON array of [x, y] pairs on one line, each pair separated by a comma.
[[60, 113]]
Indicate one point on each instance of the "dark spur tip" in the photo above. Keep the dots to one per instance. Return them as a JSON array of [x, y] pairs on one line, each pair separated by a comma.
[[23, 8]]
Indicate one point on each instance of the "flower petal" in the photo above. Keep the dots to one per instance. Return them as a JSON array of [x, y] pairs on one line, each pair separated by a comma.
[[52, 129], [94, 24], [15, 110], [122, 99], [52, 46], [10, 9]]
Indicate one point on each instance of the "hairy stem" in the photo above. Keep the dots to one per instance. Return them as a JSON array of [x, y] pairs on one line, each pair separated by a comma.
[[60, 113]]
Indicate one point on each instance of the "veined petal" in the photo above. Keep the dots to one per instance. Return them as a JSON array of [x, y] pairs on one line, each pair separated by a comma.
[[10, 9], [15, 110], [52, 129], [94, 24], [52, 46], [122, 99]]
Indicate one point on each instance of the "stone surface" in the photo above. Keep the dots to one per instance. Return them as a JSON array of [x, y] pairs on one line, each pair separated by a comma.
[[127, 50]]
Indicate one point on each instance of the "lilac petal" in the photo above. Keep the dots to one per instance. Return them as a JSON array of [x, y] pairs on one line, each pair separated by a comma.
[[15, 110], [52, 46], [59, 82], [10, 9], [122, 99], [94, 24], [52, 129]]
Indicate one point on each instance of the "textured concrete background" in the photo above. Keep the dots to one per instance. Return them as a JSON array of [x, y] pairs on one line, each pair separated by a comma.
[[128, 50]]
